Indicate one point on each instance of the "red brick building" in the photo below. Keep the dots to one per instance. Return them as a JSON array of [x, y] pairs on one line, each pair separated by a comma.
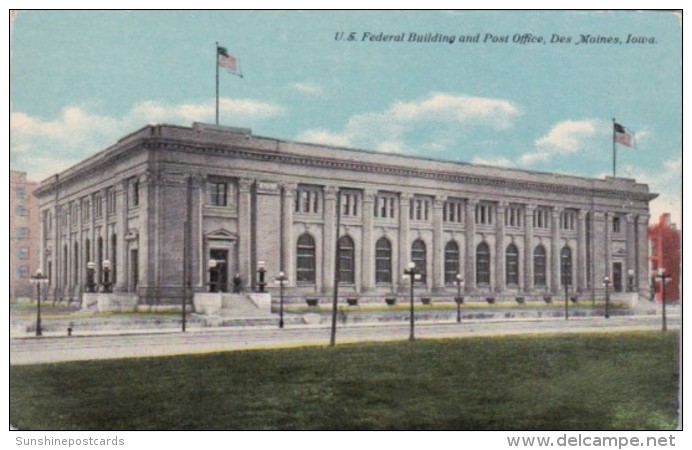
[[665, 253], [24, 235]]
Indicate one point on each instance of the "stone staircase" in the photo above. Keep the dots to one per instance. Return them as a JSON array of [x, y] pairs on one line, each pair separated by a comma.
[[241, 306]]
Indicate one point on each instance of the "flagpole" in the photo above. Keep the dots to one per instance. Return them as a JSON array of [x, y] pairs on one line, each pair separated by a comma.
[[614, 150], [216, 63]]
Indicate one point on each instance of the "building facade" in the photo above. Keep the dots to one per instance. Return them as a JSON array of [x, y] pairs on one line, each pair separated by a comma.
[[24, 233], [666, 245], [165, 200]]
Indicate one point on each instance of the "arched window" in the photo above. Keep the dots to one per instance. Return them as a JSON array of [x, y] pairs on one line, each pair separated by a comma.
[[305, 267], [483, 263], [383, 261], [512, 265], [418, 256], [451, 262], [346, 260], [539, 259], [566, 266]]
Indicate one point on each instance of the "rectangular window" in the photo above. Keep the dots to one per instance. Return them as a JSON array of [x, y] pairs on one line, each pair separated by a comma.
[[22, 272], [218, 193], [86, 209], [452, 211], [134, 192], [22, 253], [384, 206], [22, 233], [307, 199], [20, 192], [419, 209], [616, 224], [110, 201], [484, 213], [21, 210], [568, 220], [541, 217], [98, 206], [513, 215], [349, 203]]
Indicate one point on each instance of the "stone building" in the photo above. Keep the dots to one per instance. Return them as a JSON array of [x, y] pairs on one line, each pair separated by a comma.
[[24, 232], [163, 201]]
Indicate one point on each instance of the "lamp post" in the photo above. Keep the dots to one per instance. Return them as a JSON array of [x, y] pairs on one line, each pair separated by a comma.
[[211, 266], [606, 283], [261, 270], [91, 286], [39, 279], [106, 266], [459, 299], [663, 275], [413, 275], [281, 279], [630, 280]]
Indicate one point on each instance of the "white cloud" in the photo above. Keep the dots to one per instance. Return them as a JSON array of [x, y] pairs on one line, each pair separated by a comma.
[[307, 88], [569, 136], [440, 115], [39, 145]]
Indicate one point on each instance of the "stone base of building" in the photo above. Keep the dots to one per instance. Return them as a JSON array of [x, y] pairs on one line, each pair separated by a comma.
[[252, 305], [109, 302]]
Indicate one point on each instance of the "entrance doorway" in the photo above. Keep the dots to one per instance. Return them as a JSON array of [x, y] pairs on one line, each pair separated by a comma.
[[617, 277], [219, 276]]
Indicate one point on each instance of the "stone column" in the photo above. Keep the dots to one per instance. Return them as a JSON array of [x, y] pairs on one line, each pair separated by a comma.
[[120, 266], [599, 251], [245, 230], [528, 247], [582, 284], [143, 277], [500, 247], [287, 246], [329, 238], [631, 253], [555, 251], [470, 246], [69, 286], [438, 256], [368, 251], [608, 246], [404, 245], [79, 264], [641, 275]]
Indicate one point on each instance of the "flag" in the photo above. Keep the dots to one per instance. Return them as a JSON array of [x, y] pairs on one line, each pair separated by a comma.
[[228, 61], [621, 135]]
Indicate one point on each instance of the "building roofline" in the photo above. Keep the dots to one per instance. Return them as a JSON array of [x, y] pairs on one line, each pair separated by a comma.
[[213, 134]]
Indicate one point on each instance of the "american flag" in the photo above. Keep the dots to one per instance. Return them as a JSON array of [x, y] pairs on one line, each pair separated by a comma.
[[621, 135], [227, 61]]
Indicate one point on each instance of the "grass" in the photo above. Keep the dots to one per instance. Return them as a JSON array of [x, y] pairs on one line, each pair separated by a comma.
[[556, 382]]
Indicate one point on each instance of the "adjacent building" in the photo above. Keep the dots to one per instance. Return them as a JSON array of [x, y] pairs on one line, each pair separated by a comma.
[[666, 245], [24, 233], [164, 201]]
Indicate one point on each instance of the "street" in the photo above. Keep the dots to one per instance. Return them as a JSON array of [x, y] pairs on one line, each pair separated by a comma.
[[32, 350]]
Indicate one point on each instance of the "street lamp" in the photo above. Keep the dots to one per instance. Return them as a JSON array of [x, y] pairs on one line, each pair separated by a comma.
[[211, 265], [261, 270], [630, 280], [663, 275], [606, 283], [106, 266], [39, 279], [459, 299], [91, 286], [281, 279], [413, 275]]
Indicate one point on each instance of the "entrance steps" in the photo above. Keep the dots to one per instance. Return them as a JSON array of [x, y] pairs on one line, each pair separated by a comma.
[[241, 305]]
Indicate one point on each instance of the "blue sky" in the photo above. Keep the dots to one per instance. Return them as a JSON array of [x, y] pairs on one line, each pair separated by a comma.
[[81, 80]]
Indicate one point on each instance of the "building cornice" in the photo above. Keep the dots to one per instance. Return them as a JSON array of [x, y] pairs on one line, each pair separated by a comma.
[[244, 146]]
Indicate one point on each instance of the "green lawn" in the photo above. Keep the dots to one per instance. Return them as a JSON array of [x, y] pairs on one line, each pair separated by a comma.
[[594, 381]]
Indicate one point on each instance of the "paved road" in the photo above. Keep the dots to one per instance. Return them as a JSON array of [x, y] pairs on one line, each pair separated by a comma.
[[32, 350]]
